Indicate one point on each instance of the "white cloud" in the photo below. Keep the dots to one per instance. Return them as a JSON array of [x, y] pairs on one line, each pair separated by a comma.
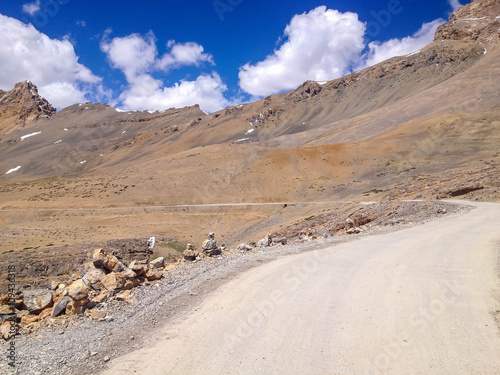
[[133, 54], [51, 64], [145, 92], [81, 23], [320, 45], [379, 52], [137, 57], [455, 4], [184, 54], [31, 8]]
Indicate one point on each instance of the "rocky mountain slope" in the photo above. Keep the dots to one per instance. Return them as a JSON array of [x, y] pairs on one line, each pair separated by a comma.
[[424, 125], [21, 107]]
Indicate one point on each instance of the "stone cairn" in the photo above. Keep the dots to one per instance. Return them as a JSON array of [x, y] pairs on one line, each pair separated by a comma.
[[210, 247], [190, 254]]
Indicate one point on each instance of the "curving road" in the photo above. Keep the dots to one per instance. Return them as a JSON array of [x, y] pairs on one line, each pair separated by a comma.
[[416, 301]]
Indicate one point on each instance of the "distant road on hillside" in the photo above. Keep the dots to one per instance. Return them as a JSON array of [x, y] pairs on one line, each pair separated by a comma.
[[159, 207], [415, 301]]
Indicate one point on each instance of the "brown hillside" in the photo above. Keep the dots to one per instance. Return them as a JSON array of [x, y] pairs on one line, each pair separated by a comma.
[[424, 125]]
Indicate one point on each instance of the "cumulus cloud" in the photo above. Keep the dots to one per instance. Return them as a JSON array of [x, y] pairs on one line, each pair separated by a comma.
[[31, 8], [133, 54], [320, 45], [184, 54], [137, 57], [379, 52], [50, 63], [148, 93]]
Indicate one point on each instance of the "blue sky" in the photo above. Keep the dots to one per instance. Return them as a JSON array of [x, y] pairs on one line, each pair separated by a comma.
[[160, 54]]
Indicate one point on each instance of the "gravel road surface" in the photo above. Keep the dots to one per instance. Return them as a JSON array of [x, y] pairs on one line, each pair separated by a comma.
[[416, 301]]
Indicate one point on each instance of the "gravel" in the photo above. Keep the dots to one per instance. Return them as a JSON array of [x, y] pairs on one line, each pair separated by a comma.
[[86, 346]]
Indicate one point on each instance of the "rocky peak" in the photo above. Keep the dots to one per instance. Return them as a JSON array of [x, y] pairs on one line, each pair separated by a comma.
[[478, 21], [22, 106], [304, 91]]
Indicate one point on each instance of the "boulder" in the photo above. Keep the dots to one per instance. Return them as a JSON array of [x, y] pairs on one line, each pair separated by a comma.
[[113, 281], [45, 313], [60, 293], [103, 296], [86, 267], [280, 240], [46, 300], [158, 263], [114, 264], [209, 245], [100, 258], [76, 307], [189, 255], [153, 275], [54, 285], [245, 246], [6, 313], [349, 223], [6, 309], [77, 290], [131, 283], [7, 330], [265, 242], [137, 267], [98, 314], [4, 300], [128, 273], [125, 296], [93, 277], [37, 303], [22, 313], [28, 319], [60, 306]]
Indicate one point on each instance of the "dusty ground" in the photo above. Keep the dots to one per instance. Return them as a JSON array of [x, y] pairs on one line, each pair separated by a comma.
[[171, 298], [50, 245]]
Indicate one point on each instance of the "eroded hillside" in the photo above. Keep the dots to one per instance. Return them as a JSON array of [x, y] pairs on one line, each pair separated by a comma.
[[425, 125]]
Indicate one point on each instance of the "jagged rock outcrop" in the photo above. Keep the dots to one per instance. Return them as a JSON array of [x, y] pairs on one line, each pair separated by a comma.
[[478, 21], [22, 106], [305, 91]]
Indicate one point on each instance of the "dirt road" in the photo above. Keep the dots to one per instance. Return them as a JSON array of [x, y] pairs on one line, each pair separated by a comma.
[[417, 301]]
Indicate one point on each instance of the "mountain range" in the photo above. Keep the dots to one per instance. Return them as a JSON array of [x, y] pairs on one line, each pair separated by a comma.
[[421, 126]]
